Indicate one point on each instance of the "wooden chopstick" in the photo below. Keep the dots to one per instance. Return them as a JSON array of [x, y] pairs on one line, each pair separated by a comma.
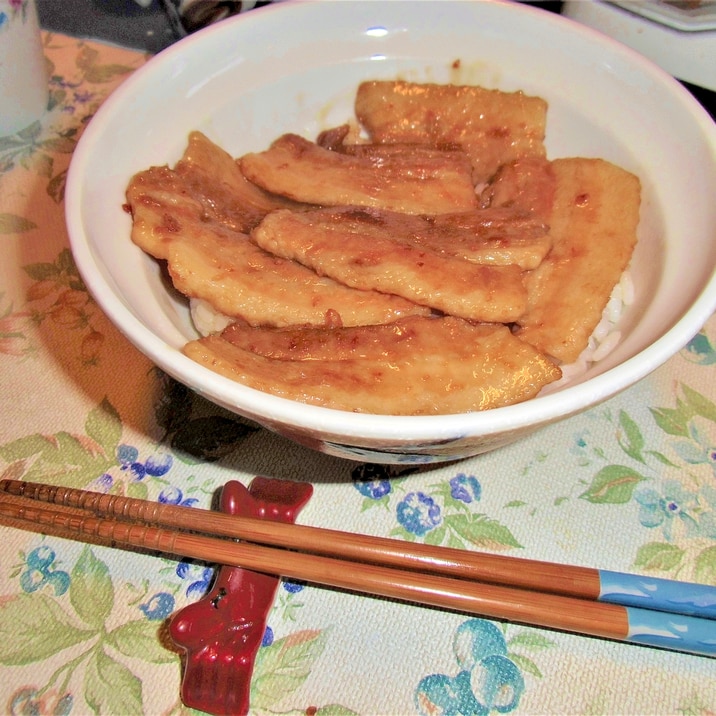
[[533, 575], [583, 616]]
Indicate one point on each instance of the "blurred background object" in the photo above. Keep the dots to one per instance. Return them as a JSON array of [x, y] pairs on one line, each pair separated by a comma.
[[127, 23], [190, 15], [23, 72], [678, 35], [149, 25]]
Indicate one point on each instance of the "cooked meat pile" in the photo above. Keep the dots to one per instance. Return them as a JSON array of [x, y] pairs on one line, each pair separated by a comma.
[[424, 258]]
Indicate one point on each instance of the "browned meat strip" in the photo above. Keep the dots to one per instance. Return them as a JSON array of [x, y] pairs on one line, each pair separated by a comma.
[[416, 182], [415, 366], [355, 247], [593, 230], [214, 178], [207, 260], [524, 187], [493, 127]]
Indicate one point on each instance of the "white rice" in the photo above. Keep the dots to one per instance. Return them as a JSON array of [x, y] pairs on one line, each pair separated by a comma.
[[206, 319], [606, 335]]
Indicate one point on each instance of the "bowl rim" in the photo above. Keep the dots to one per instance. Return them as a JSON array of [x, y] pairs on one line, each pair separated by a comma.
[[368, 426]]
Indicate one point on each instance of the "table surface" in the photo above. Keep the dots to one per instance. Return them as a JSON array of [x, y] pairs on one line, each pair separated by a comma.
[[627, 486]]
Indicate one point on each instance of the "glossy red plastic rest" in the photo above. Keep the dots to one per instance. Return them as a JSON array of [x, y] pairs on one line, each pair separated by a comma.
[[222, 632]]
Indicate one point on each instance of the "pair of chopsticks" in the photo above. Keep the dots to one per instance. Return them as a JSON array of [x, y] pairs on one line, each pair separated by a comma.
[[613, 605]]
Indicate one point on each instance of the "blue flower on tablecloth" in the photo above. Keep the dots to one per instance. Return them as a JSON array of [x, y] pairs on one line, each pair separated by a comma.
[[700, 447], [371, 481], [700, 349], [40, 571], [155, 465], [374, 489], [158, 464], [128, 457], [418, 513], [487, 679], [667, 507], [293, 587], [103, 483], [83, 97], [172, 495], [200, 577], [159, 606], [580, 447], [465, 488], [127, 454], [267, 638], [28, 701]]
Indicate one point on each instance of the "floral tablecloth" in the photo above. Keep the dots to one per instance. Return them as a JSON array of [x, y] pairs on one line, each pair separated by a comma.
[[628, 486]]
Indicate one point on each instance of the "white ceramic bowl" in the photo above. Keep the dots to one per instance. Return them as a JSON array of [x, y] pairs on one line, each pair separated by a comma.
[[294, 67]]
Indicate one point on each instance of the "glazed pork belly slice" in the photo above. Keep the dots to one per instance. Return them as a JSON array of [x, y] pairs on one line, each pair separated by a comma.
[[491, 126], [485, 236], [525, 187], [593, 228], [359, 248], [519, 198], [511, 229], [208, 261], [214, 178], [413, 180], [415, 366]]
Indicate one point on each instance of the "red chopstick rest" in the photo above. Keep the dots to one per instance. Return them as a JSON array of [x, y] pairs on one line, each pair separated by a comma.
[[222, 632]]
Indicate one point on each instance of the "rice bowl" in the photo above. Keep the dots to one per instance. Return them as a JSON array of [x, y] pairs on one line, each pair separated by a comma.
[[607, 102]]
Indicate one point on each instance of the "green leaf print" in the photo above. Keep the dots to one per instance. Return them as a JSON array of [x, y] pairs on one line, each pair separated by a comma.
[[283, 666], [104, 426], [78, 459], [56, 186], [660, 457], [91, 590], [33, 627], [335, 710], [673, 421], [88, 61], [482, 531], [630, 438], [61, 144], [31, 132], [29, 446], [137, 490], [699, 404], [42, 271], [516, 503], [613, 484], [13, 224], [62, 271], [659, 557], [527, 664], [110, 687], [528, 640], [140, 637], [436, 536], [62, 454], [705, 569]]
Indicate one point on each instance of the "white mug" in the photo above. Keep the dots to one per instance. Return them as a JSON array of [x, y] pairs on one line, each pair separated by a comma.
[[23, 73]]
